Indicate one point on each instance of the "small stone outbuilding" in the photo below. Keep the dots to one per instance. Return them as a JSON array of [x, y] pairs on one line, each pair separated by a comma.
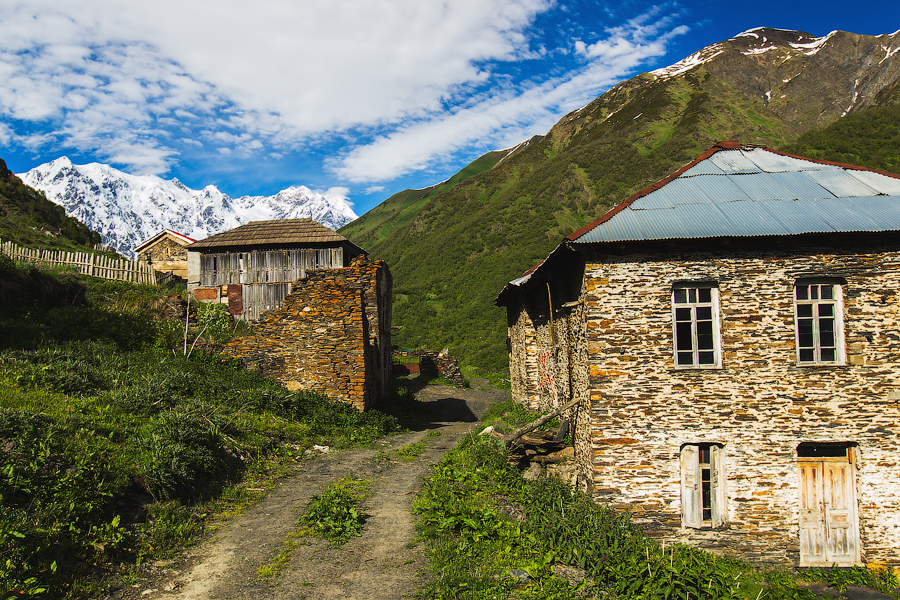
[[319, 308], [166, 252], [733, 334]]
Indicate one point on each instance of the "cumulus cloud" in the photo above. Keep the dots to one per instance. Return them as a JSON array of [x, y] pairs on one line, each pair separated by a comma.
[[402, 83]]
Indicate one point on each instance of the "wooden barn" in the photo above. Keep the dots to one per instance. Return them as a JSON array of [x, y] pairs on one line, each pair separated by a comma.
[[166, 252], [254, 266]]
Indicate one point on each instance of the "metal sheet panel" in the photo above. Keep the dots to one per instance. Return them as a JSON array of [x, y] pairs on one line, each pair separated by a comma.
[[757, 193], [733, 162], [878, 182], [843, 184], [707, 189], [704, 167], [751, 219], [770, 162]]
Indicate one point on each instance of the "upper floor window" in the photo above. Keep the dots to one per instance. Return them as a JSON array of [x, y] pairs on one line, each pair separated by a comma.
[[695, 314], [819, 323]]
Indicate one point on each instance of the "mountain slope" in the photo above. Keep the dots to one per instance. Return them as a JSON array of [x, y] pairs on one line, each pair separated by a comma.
[[453, 253], [28, 218], [128, 209]]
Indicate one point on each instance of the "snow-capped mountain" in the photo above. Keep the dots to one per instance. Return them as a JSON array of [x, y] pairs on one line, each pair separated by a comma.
[[128, 209]]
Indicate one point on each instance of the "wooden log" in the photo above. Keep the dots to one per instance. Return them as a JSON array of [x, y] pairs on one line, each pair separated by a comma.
[[511, 438]]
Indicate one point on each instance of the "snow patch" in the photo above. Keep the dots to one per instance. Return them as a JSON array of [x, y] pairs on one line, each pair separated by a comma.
[[750, 51], [811, 48], [888, 52], [694, 60]]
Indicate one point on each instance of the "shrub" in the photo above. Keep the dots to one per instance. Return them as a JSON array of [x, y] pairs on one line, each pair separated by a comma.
[[335, 514], [185, 451]]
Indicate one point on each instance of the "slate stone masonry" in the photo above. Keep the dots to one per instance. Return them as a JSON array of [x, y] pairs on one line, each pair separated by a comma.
[[331, 336], [614, 346]]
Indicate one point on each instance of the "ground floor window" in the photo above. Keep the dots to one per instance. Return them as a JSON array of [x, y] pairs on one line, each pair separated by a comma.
[[702, 485]]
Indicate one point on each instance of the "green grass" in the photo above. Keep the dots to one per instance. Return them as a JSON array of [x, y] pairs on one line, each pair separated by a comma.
[[483, 525], [115, 448]]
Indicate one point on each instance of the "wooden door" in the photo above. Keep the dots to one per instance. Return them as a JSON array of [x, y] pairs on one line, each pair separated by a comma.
[[828, 523]]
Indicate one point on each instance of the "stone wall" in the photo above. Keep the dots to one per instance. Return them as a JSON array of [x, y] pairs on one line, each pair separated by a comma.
[[759, 405], [616, 348], [548, 360], [332, 335], [166, 256]]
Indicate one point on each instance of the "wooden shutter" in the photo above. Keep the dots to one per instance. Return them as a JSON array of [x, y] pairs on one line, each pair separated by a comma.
[[841, 537], [691, 503], [717, 484]]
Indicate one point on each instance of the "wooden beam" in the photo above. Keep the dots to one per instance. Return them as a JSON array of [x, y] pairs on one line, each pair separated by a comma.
[[511, 438]]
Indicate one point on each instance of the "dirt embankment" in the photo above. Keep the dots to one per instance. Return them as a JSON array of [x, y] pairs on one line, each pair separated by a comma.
[[384, 563]]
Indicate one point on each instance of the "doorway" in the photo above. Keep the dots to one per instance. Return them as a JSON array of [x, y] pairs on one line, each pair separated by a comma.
[[829, 534]]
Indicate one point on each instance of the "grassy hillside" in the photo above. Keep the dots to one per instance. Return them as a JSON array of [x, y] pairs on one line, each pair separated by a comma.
[[115, 447], [29, 219], [870, 138], [399, 209]]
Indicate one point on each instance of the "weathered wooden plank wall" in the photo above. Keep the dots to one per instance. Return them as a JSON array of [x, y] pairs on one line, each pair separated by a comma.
[[272, 266]]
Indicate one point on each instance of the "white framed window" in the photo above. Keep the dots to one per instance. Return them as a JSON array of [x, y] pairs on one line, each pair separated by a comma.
[[695, 316], [819, 323], [702, 485]]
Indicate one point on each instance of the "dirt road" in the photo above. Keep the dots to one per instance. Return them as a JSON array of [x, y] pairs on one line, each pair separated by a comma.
[[384, 563]]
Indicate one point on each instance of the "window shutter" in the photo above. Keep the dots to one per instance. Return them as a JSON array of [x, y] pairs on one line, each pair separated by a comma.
[[717, 484], [691, 504]]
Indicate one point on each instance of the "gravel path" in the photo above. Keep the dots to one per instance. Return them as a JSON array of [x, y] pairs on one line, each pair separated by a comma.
[[383, 563]]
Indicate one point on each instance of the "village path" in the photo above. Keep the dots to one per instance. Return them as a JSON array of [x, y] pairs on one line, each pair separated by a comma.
[[383, 563]]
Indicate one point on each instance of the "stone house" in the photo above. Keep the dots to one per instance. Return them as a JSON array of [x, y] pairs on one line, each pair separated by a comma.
[[320, 310], [733, 334], [166, 252], [253, 267]]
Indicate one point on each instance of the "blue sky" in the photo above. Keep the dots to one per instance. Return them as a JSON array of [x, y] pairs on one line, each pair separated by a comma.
[[356, 98]]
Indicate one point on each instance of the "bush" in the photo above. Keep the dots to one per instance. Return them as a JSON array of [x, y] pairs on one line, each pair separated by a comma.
[[215, 319], [334, 514], [185, 451]]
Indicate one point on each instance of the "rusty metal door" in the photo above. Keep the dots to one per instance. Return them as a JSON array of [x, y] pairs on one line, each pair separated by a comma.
[[828, 524]]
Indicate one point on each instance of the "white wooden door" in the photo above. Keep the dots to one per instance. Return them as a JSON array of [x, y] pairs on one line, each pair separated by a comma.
[[828, 523]]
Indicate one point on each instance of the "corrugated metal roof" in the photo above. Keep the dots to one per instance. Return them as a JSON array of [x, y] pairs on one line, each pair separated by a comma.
[[746, 192]]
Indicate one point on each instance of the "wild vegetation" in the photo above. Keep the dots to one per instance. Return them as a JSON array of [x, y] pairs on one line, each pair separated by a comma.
[[870, 138], [116, 444], [27, 217], [492, 534]]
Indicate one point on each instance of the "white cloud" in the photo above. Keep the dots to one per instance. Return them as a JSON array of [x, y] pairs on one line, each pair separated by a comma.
[[508, 120], [135, 83]]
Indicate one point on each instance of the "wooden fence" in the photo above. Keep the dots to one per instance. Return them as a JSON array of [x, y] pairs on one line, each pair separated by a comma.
[[88, 264]]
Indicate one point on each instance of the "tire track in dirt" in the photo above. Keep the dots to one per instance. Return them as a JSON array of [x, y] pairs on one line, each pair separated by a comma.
[[383, 563]]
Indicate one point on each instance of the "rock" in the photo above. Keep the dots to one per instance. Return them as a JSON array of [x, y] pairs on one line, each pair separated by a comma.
[[534, 472], [572, 575], [521, 575]]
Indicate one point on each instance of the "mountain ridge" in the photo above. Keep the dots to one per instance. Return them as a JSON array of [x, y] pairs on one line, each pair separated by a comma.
[[129, 209], [455, 250]]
